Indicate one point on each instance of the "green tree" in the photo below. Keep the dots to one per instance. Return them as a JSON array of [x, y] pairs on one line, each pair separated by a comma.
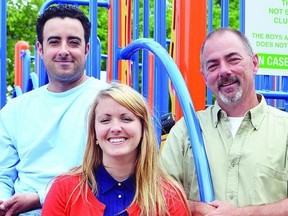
[[21, 17], [233, 14]]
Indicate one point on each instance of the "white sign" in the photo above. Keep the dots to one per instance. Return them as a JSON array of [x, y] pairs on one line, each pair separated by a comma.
[[266, 27]]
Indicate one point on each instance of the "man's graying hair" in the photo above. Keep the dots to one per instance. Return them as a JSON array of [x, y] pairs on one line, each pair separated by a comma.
[[241, 36], [62, 11]]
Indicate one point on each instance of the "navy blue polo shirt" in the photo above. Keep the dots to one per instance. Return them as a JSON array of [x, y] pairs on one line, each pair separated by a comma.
[[117, 196]]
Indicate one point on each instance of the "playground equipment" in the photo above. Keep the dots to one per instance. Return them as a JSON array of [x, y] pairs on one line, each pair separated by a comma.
[[123, 55], [19, 80], [3, 54], [163, 66]]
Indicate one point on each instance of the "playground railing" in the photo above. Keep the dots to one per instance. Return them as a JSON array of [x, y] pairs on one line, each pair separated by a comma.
[[194, 131], [163, 64], [3, 31]]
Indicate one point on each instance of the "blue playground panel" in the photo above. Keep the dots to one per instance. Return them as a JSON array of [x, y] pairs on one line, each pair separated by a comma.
[[3, 53]]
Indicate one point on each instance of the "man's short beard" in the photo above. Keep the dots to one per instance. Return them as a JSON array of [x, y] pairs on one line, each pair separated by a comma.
[[233, 99], [67, 78]]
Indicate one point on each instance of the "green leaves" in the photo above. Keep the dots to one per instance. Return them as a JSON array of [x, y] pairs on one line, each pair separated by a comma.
[[21, 18]]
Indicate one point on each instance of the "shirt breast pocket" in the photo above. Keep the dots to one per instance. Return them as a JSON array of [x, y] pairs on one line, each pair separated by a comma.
[[270, 185]]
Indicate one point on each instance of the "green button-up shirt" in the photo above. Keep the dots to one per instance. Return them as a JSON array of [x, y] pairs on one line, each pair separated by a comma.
[[250, 169]]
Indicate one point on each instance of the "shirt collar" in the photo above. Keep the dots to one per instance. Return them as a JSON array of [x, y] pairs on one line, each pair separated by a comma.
[[255, 114], [106, 182]]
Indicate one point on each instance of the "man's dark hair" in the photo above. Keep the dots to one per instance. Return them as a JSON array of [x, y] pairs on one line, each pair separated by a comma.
[[62, 11]]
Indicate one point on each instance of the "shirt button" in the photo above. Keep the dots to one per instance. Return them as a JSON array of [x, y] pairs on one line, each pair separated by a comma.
[[231, 197], [119, 183], [233, 164], [119, 196]]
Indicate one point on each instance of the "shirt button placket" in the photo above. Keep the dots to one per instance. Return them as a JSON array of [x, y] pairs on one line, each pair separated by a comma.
[[232, 184], [119, 195]]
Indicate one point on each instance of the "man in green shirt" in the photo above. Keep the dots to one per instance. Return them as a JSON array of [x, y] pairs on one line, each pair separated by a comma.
[[246, 140]]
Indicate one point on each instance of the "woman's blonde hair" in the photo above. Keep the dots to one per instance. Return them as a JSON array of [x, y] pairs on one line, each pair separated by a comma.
[[150, 180]]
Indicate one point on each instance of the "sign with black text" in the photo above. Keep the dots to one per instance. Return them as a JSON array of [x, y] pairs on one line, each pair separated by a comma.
[[266, 27]]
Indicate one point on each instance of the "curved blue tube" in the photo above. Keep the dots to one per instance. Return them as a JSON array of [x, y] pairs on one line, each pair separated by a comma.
[[193, 127]]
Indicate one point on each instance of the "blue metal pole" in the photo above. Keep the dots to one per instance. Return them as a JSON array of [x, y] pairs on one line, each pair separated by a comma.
[[161, 92], [135, 66], [26, 69], [224, 13], [209, 94], [94, 58], [145, 61], [285, 89], [193, 126], [210, 15], [3, 39], [242, 16], [115, 39]]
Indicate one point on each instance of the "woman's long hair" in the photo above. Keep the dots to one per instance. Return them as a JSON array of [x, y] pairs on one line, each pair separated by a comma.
[[150, 180]]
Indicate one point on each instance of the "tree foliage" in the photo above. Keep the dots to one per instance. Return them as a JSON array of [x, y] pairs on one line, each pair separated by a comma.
[[233, 14], [21, 17]]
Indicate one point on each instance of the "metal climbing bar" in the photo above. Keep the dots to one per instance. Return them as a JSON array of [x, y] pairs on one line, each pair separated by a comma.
[[3, 33], [193, 127]]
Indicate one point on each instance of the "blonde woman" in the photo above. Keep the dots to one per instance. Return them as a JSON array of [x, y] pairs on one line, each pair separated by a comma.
[[119, 174]]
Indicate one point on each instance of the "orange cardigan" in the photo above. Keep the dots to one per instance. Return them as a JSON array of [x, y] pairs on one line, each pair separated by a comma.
[[57, 202]]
